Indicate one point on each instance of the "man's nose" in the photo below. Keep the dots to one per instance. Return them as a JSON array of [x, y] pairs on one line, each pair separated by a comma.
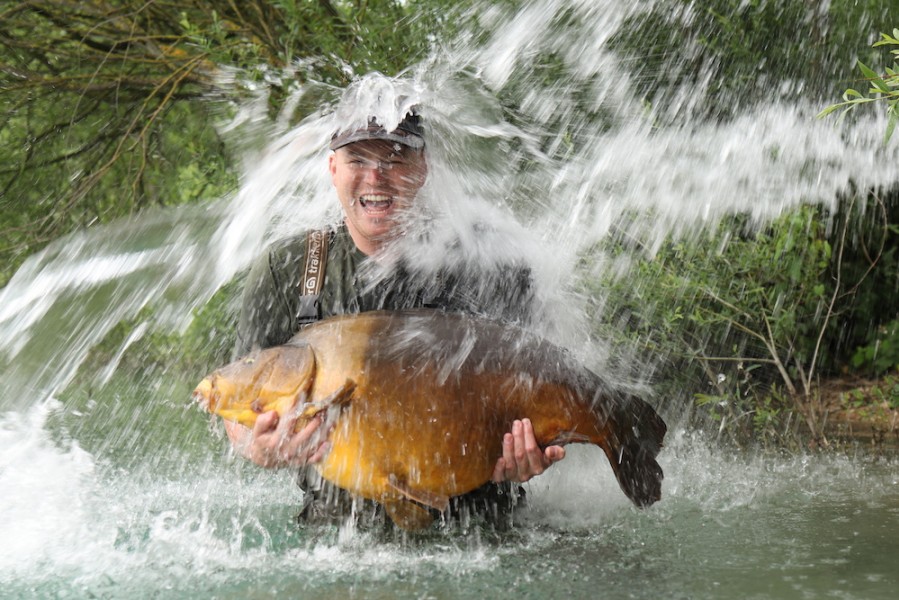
[[375, 169]]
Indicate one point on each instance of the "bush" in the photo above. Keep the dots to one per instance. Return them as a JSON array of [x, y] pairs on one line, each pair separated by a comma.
[[754, 324]]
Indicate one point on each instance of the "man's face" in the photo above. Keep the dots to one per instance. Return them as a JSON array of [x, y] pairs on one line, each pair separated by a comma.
[[375, 181]]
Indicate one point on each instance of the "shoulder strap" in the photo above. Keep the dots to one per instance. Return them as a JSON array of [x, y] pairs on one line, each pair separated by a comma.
[[316, 261], [313, 276]]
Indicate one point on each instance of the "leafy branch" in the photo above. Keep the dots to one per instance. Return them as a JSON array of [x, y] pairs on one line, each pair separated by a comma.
[[883, 88]]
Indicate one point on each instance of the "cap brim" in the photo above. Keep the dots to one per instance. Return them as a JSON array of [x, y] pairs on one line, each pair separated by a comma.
[[416, 142]]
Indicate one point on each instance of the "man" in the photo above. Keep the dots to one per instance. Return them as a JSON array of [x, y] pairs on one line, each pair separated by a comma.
[[377, 175]]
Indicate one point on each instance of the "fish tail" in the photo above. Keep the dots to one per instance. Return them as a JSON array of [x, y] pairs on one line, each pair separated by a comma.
[[636, 436]]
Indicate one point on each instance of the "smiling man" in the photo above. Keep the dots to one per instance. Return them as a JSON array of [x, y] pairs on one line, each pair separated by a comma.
[[377, 175]]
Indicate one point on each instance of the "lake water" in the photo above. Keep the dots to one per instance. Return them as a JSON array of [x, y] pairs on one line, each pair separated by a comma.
[[119, 487], [198, 525]]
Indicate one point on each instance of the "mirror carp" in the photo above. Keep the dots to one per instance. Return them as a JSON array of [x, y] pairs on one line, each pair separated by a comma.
[[420, 400]]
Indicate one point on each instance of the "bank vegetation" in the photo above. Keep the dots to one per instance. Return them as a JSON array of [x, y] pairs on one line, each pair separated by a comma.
[[785, 333]]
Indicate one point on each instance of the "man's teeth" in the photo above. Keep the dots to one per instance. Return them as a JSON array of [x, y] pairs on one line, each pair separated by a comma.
[[374, 199]]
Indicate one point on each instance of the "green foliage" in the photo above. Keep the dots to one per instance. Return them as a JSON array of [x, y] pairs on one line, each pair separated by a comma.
[[148, 375], [744, 410], [713, 58], [752, 319], [869, 272], [882, 353], [208, 342], [884, 392], [150, 384], [107, 108], [735, 320], [764, 284], [882, 88]]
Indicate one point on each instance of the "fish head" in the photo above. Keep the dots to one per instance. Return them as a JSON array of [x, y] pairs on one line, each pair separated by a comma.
[[265, 380]]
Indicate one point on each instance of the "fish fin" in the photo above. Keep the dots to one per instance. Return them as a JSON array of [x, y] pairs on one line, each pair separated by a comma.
[[408, 515], [341, 397], [430, 499], [287, 378], [637, 433], [569, 437]]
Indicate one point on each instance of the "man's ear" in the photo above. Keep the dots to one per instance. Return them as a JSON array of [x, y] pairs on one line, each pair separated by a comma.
[[332, 165]]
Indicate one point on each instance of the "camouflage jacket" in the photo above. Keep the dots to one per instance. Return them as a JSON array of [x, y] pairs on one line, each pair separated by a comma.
[[272, 295]]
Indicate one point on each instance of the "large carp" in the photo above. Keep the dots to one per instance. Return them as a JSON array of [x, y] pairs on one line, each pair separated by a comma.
[[425, 398]]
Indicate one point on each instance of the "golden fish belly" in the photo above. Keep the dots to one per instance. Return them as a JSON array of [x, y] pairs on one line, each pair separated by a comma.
[[377, 446]]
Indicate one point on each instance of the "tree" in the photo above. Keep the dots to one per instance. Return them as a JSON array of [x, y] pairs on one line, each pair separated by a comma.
[[883, 88], [105, 106]]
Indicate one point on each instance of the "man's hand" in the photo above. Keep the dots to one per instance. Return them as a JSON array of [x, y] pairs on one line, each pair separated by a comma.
[[522, 457], [274, 443]]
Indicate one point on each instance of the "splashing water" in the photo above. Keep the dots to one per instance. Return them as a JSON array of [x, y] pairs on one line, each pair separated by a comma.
[[728, 525], [131, 493]]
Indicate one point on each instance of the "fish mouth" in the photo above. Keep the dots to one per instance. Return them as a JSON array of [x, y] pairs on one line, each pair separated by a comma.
[[203, 393], [376, 203]]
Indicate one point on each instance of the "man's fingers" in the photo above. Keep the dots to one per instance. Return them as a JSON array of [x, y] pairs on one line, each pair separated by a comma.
[[307, 444], [537, 461], [265, 423], [319, 453], [287, 424], [555, 453], [505, 468], [512, 449], [310, 428], [499, 471], [519, 447], [522, 457]]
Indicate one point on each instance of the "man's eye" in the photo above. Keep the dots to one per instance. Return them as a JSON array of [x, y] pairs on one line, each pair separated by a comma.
[[384, 165]]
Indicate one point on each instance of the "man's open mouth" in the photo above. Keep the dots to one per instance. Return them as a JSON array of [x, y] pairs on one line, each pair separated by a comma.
[[375, 202]]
